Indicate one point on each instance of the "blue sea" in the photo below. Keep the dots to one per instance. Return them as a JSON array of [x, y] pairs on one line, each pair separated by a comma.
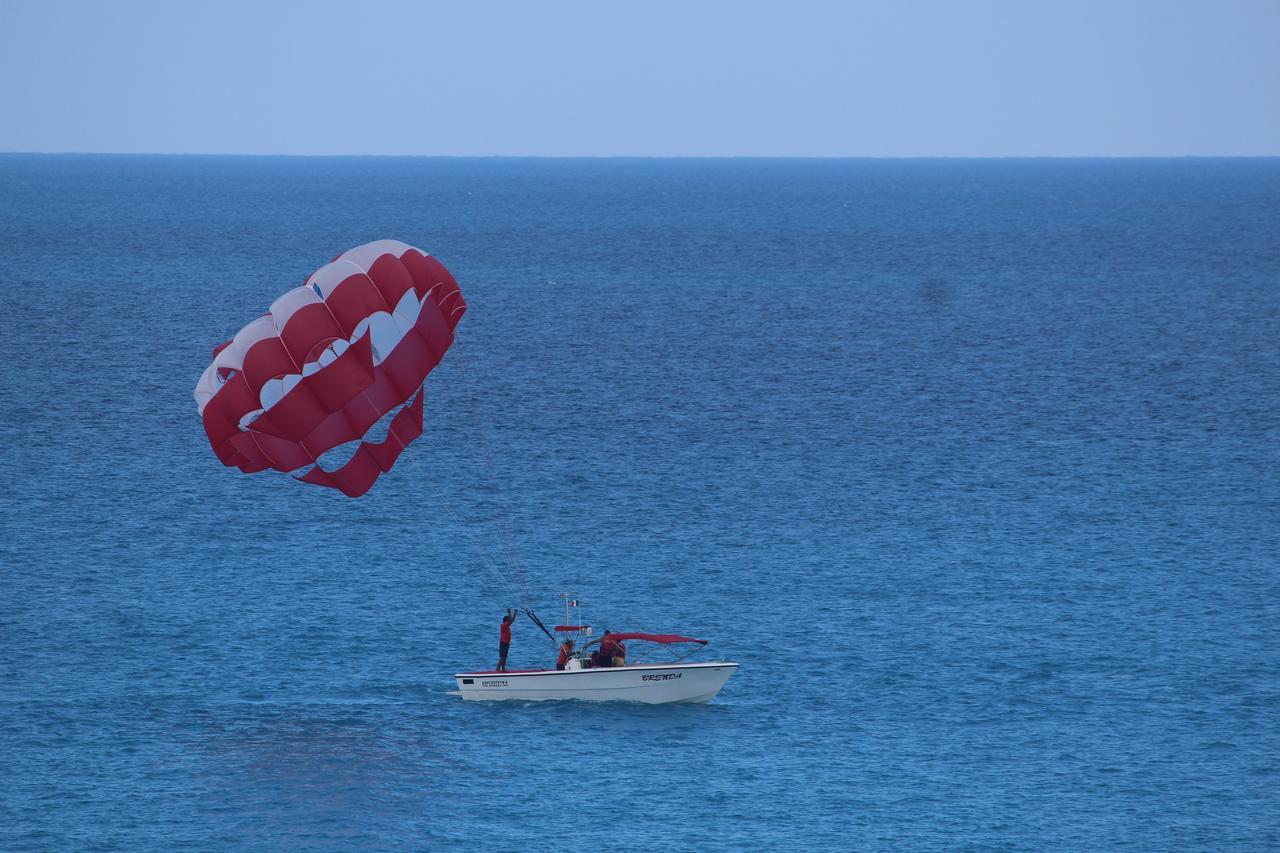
[[972, 465]]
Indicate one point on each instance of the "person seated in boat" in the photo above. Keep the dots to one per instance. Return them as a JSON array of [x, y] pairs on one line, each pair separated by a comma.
[[619, 653], [604, 656], [566, 652], [612, 652]]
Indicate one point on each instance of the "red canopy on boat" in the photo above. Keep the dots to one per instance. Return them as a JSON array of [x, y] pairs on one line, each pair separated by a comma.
[[664, 639]]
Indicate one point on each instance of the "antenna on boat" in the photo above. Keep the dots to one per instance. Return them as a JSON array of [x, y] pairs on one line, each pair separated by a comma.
[[570, 600], [573, 615]]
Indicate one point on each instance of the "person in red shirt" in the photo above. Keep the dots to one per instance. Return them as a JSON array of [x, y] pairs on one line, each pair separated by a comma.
[[504, 639], [566, 652], [606, 649], [612, 652], [619, 653]]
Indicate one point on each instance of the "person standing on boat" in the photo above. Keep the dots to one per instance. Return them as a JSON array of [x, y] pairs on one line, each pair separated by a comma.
[[566, 652], [504, 639]]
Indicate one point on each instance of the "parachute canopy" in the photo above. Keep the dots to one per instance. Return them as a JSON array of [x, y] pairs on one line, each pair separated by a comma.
[[327, 364]]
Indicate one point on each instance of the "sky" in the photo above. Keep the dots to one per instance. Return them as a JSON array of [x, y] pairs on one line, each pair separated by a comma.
[[981, 78]]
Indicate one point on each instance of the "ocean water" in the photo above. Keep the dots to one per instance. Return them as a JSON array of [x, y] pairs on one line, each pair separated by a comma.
[[971, 465]]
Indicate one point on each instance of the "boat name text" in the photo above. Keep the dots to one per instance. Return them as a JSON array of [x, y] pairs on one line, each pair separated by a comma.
[[661, 676]]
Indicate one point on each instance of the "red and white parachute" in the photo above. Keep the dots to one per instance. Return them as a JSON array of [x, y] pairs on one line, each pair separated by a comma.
[[328, 361]]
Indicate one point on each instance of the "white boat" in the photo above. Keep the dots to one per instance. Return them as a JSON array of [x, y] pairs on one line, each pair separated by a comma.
[[605, 676], [651, 683]]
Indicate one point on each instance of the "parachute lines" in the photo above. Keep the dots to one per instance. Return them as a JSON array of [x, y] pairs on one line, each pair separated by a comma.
[[504, 516]]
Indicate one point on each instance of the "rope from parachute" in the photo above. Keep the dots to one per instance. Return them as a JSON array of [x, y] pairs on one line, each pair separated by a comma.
[[504, 515], [515, 574], [494, 564]]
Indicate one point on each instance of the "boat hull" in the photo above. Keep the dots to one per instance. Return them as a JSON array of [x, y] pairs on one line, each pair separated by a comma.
[[690, 683]]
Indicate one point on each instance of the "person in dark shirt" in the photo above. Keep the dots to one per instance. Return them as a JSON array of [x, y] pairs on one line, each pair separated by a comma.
[[566, 652], [504, 639]]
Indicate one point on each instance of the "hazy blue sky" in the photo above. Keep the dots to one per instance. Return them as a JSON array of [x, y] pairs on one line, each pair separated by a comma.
[[645, 78]]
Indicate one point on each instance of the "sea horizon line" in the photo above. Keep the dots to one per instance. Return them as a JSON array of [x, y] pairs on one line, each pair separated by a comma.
[[814, 157]]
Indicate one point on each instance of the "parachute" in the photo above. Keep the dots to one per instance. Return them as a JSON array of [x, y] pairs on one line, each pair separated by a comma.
[[328, 362]]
